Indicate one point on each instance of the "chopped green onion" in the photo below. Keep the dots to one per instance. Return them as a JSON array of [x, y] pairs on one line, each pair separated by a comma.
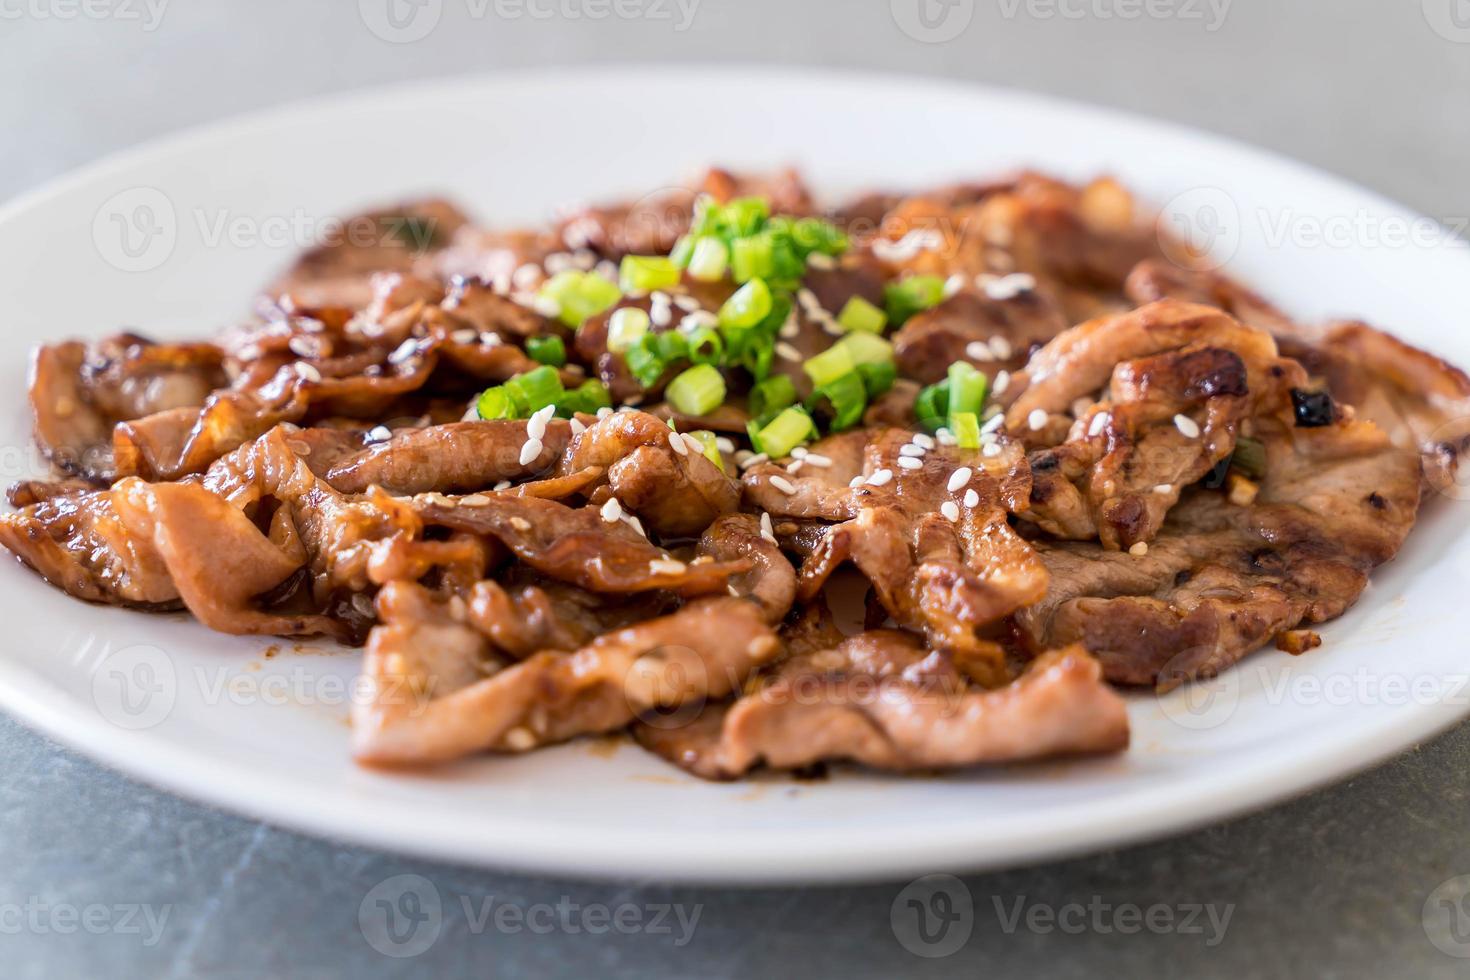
[[644, 364], [770, 396], [625, 328], [698, 391], [669, 345], [709, 259], [705, 346], [745, 215], [1250, 457], [711, 445], [829, 365], [815, 235], [867, 348], [579, 295], [878, 377], [967, 389], [848, 398], [966, 428], [496, 403], [932, 406], [748, 306], [750, 258], [913, 295], [861, 316], [683, 251], [586, 399], [547, 350], [536, 388], [756, 356], [645, 273], [784, 433]]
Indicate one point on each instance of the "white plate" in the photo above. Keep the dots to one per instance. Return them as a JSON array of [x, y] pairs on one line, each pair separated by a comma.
[[209, 716]]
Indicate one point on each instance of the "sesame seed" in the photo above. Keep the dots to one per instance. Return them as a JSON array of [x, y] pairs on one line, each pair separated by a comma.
[[794, 467], [950, 510], [577, 426], [880, 478], [676, 441], [909, 449], [632, 521], [909, 463], [954, 284], [821, 260], [959, 478], [1164, 489], [546, 306], [526, 276], [301, 346], [660, 315], [754, 460], [923, 439], [990, 450], [489, 339], [667, 566], [379, 433], [972, 499], [979, 350], [787, 352], [783, 484], [686, 303], [465, 335], [502, 485], [1001, 348], [1037, 419], [1001, 383], [1140, 549], [767, 531], [724, 444], [808, 300], [474, 500], [604, 412], [558, 262], [993, 424], [855, 482], [307, 372], [1187, 425], [530, 451], [536, 424], [1099, 422], [791, 328], [829, 325], [520, 523], [817, 459], [697, 320], [694, 444], [612, 510]]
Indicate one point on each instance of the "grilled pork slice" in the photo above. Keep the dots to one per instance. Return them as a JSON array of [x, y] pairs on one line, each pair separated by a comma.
[[1223, 578], [439, 694], [927, 527], [881, 699]]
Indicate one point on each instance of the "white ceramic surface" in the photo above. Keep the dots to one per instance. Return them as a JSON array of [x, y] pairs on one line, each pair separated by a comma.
[[173, 238]]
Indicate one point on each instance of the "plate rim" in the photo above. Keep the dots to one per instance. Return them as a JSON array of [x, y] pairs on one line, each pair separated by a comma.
[[864, 854]]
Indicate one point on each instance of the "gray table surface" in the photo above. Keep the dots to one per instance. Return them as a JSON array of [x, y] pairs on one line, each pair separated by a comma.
[[101, 876]]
